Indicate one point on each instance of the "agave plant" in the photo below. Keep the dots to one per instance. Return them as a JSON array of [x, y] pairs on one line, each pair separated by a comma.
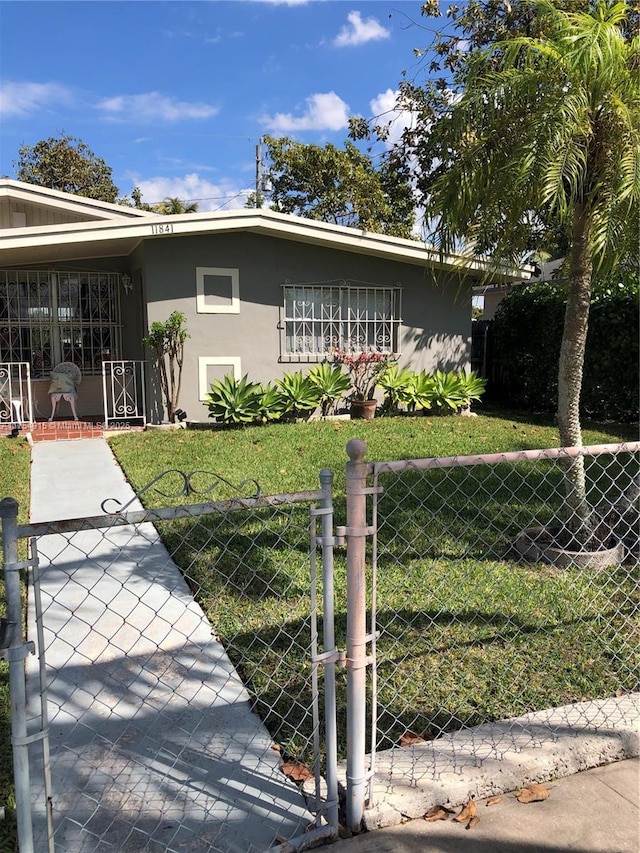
[[331, 383], [421, 391], [472, 386], [298, 393], [447, 393], [396, 383], [234, 402], [271, 403]]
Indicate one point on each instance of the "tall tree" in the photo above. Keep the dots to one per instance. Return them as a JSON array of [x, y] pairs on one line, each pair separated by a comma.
[[545, 124], [172, 204], [67, 164], [340, 185]]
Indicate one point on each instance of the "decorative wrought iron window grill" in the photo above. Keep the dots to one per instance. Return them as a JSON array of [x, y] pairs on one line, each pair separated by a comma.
[[348, 315], [48, 317]]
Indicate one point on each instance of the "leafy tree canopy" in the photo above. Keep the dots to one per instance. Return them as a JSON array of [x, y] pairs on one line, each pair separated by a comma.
[[67, 164], [342, 186], [173, 204], [542, 125]]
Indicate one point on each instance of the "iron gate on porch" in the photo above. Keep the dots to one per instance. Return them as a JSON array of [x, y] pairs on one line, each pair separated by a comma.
[[143, 722]]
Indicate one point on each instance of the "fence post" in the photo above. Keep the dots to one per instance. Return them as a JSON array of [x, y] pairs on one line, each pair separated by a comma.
[[15, 651], [329, 644], [356, 531]]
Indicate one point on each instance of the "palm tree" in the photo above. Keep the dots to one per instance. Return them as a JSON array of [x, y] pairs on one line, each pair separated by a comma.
[[547, 127], [172, 204]]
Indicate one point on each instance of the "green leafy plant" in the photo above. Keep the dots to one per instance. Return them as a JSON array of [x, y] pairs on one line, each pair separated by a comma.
[[396, 383], [331, 382], [166, 341], [272, 405], [299, 394], [421, 392], [234, 402], [447, 393], [472, 386]]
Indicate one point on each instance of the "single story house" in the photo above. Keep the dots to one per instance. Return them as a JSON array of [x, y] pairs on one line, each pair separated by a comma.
[[263, 294]]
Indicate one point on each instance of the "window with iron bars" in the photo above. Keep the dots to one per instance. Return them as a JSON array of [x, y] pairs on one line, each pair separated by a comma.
[[346, 315], [49, 317]]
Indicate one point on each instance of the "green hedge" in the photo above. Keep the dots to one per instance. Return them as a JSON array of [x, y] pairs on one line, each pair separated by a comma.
[[527, 332]]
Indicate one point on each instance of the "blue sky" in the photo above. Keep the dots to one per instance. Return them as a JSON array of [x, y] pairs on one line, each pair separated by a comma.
[[174, 96]]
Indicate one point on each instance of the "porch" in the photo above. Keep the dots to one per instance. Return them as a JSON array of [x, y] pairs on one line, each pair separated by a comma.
[[114, 400]]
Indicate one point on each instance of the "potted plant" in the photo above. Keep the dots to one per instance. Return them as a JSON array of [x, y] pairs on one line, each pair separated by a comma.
[[364, 369]]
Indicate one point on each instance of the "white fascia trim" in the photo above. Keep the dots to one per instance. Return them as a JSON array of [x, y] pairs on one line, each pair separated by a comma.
[[256, 221], [205, 361], [32, 194], [201, 300]]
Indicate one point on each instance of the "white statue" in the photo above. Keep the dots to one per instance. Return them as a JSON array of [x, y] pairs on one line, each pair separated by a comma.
[[65, 378]]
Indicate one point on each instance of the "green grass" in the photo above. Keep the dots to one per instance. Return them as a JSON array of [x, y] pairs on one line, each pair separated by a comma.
[[14, 464], [466, 636], [468, 633]]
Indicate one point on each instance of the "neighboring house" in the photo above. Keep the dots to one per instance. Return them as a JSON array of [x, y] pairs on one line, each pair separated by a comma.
[[263, 293], [493, 294]]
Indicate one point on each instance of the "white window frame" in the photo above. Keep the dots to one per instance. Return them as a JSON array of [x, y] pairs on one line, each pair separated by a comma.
[[202, 307], [205, 361], [331, 316]]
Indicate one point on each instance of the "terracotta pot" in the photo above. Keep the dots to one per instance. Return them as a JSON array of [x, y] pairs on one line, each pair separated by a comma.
[[363, 409], [537, 545]]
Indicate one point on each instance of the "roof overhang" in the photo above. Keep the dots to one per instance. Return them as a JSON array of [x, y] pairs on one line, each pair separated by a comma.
[[119, 237], [22, 193]]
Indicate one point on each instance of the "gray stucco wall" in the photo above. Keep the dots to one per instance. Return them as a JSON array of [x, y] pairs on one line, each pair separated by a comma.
[[436, 316]]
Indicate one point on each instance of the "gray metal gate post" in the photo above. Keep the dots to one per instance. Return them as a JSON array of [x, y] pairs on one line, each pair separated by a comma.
[[356, 532], [15, 650], [329, 641]]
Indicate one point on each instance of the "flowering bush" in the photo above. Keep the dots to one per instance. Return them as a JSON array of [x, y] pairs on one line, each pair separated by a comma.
[[364, 369]]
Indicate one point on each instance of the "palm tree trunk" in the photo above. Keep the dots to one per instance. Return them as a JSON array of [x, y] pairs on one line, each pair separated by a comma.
[[572, 351]]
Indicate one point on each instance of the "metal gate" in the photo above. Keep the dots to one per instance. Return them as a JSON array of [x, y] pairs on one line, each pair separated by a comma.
[[165, 706]]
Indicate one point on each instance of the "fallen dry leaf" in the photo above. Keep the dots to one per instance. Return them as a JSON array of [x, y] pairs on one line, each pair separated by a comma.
[[493, 801], [438, 813], [296, 770], [468, 811], [409, 738], [532, 794], [474, 820]]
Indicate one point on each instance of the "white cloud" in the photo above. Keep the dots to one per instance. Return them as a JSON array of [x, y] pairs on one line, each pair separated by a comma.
[[325, 111], [152, 106], [192, 187], [387, 110], [358, 31], [22, 99]]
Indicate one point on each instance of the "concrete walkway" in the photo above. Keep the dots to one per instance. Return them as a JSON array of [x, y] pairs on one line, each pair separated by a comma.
[[153, 743]]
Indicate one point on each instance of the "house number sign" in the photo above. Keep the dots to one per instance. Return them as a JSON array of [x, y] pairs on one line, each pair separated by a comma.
[[162, 228]]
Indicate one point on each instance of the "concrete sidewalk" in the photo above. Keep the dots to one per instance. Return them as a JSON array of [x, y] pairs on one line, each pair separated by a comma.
[[596, 811], [153, 743]]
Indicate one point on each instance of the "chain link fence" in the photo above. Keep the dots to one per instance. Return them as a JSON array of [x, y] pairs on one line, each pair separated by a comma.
[[173, 702], [481, 608], [188, 688]]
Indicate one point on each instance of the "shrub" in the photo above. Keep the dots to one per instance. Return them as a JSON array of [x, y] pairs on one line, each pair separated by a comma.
[[527, 332]]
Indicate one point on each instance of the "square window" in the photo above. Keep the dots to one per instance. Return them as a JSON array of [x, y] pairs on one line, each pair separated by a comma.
[[214, 367], [217, 290]]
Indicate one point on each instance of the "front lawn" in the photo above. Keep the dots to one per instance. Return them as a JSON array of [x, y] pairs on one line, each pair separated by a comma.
[[464, 638], [14, 465]]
